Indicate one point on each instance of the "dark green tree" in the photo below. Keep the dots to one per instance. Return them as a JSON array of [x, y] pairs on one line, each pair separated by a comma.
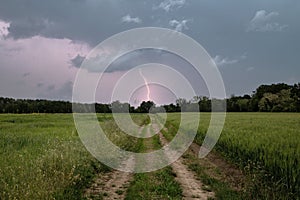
[[145, 106]]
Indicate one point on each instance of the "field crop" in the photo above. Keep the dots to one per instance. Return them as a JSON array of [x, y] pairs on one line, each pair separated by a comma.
[[42, 156], [264, 144]]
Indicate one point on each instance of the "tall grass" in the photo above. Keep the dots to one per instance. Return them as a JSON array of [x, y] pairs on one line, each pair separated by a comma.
[[42, 156], [158, 184], [264, 144]]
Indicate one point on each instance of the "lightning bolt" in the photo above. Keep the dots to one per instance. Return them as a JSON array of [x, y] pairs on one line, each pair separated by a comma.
[[146, 83]]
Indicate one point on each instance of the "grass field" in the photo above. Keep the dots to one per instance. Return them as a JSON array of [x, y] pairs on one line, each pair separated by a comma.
[[42, 156], [265, 145]]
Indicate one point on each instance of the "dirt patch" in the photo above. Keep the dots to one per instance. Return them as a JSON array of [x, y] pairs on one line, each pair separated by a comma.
[[217, 167], [112, 185], [192, 188]]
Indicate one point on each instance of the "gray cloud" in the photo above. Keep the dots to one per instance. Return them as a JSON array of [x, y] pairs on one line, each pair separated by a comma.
[[64, 92], [179, 25], [218, 26], [123, 63], [4, 26], [77, 20], [140, 57], [26, 74], [28, 27], [250, 69], [222, 61], [129, 19], [169, 5], [50, 88], [264, 22], [77, 60], [40, 85]]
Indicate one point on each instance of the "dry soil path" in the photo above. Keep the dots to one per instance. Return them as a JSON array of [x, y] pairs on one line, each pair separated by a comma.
[[192, 188], [113, 185]]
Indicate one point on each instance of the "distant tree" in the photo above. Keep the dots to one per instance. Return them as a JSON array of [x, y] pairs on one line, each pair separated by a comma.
[[192, 107], [295, 94], [196, 99], [218, 105], [273, 89], [267, 102], [145, 106], [285, 102], [205, 104], [243, 104], [181, 103], [159, 109], [232, 105], [171, 108], [279, 102], [119, 107], [102, 108], [268, 98]]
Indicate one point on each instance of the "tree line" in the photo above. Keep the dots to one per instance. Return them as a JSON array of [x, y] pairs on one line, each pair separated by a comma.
[[279, 97]]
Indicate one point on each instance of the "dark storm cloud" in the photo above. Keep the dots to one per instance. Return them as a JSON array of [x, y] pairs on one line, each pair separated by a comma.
[[26, 74], [267, 31], [145, 56], [77, 61], [27, 28], [40, 85], [64, 92], [50, 88], [131, 60], [88, 21]]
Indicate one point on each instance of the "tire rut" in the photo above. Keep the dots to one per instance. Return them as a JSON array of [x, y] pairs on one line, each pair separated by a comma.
[[114, 184], [192, 188]]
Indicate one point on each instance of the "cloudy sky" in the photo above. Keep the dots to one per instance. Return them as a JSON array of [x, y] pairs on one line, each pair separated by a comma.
[[43, 43]]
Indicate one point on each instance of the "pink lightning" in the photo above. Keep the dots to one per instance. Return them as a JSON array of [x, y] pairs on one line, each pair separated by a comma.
[[146, 83]]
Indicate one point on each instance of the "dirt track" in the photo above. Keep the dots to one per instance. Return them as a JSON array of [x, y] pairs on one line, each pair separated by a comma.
[[192, 188], [113, 185]]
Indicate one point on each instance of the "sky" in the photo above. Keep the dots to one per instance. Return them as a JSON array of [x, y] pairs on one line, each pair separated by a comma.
[[43, 43]]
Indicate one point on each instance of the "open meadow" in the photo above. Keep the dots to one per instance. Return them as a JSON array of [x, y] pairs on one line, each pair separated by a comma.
[[264, 145], [42, 157]]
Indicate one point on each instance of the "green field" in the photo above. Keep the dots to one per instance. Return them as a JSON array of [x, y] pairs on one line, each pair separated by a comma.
[[265, 145], [42, 156]]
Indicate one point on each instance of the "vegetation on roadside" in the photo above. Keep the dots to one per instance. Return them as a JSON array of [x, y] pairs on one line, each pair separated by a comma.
[[42, 156], [221, 189], [265, 145], [279, 97], [159, 184], [154, 185]]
